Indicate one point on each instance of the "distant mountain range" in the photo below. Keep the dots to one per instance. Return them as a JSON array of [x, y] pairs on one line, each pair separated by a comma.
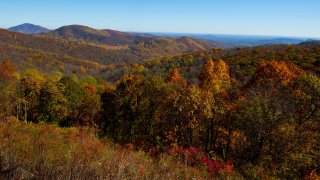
[[108, 37], [311, 42], [28, 28], [117, 38], [71, 47], [230, 41], [111, 53]]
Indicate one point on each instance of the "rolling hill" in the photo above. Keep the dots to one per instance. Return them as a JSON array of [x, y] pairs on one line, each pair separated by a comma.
[[76, 46], [117, 38], [28, 28], [108, 37], [105, 54], [311, 42]]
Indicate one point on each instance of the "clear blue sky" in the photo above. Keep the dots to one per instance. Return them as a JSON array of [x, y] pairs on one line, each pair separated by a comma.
[[258, 17]]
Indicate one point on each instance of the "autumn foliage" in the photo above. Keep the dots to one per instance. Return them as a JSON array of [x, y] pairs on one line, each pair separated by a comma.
[[187, 121], [175, 77], [273, 72], [40, 151]]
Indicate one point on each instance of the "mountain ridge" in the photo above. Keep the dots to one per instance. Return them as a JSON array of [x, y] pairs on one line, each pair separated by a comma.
[[28, 28], [135, 51], [105, 36]]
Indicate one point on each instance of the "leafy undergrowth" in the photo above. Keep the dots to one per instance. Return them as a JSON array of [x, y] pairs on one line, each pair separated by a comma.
[[47, 151], [193, 156]]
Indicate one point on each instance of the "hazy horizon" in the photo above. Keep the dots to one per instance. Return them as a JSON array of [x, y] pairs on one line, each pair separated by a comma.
[[178, 33], [288, 18]]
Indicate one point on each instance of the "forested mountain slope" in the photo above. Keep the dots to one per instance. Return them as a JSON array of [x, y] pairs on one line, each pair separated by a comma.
[[93, 50]]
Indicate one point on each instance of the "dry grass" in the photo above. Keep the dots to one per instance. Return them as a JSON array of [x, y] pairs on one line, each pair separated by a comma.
[[30, 151]]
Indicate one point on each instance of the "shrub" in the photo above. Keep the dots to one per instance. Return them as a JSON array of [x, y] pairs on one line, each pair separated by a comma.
[[47, 151]]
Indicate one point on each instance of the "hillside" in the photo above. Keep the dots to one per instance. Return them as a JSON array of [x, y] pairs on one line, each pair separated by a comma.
[[242, 61], [57, 45], [164, 107], [138, 43], [160, 90], [117, 38], [93, 50], [26, 58], [28, 28], [179, 117], [108, 37], [155, 55], [311, 42]]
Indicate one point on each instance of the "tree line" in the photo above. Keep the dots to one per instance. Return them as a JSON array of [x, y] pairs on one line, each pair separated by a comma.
[[268, 126]]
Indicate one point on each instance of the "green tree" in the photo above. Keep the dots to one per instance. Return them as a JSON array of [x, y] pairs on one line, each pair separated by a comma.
[[52, 104], [259, 114], [28, 90], [122, 107], [74, 95], [306, 98], [190, 111]]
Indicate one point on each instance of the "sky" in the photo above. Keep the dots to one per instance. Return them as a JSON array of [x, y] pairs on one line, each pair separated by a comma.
[[251, 17]]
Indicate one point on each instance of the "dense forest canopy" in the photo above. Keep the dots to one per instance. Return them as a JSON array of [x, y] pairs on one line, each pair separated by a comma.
[[66, 111]]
